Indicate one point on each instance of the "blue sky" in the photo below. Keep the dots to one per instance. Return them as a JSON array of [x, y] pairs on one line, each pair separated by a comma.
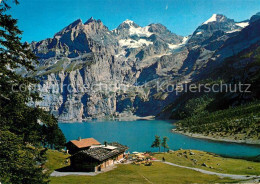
[[40, 19]]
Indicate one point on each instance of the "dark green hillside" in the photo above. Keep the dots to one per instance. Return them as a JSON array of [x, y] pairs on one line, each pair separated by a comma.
[[241, 122], [227, 113]]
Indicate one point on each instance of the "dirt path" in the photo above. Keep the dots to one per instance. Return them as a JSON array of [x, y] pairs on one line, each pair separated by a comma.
[[222, 175], [146, 179], [57, 173]]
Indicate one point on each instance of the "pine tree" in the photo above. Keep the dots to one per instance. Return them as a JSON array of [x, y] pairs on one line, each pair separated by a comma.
[[21, 154], [164, 143], [157, 143], [20, 163]]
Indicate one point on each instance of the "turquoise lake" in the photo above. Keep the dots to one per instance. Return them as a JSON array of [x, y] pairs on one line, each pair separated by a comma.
[[139, 135]]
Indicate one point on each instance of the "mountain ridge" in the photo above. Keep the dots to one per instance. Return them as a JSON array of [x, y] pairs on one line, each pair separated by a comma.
[[139, 57]]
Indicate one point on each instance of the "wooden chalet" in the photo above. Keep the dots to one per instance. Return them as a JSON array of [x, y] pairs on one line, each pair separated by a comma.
[[75, 146], [97, 157]]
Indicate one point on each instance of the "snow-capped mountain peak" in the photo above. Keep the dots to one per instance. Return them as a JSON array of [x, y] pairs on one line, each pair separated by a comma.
[[216, 18], [213, 18], [127, 21], [131, 28]]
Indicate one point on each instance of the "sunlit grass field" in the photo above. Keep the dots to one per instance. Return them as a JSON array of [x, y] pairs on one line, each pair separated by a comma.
[[213, 162], [157, 173]]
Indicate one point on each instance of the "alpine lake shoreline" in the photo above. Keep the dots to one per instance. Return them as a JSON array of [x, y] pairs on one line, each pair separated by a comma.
[[215, 138], [228, 139], [178, 140]]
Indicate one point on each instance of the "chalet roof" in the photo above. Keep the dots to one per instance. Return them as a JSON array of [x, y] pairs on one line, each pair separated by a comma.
[[85, 142], [102, 153], [120, 147]]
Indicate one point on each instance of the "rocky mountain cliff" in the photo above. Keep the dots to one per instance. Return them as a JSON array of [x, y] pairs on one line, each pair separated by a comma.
[[88, 71]]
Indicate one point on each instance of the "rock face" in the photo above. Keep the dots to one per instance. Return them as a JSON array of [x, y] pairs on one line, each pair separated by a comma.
[[87, 71]]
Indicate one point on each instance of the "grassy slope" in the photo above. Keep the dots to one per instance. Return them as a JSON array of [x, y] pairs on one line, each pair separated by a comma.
[[56, 160], [159, 172], [219, 164]]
